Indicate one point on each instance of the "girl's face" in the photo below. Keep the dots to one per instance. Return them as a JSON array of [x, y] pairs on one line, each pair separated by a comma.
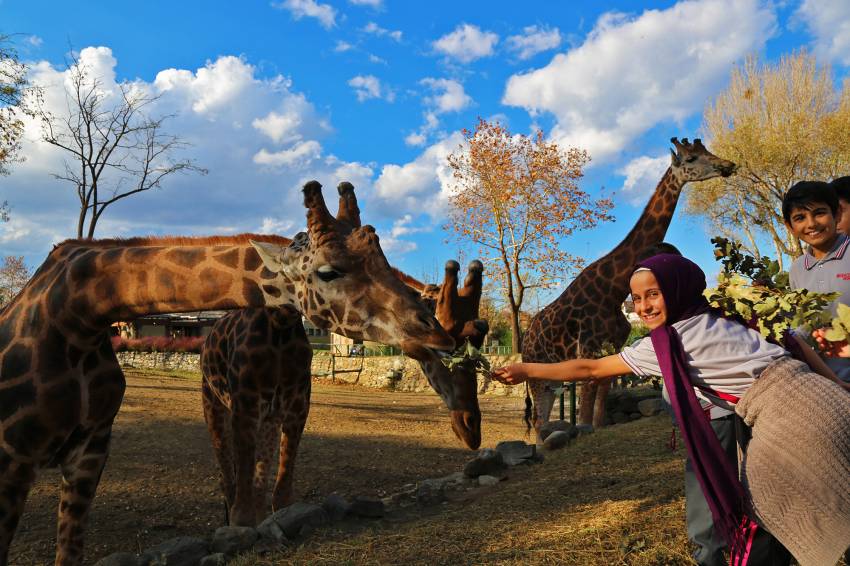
[[649, 303]]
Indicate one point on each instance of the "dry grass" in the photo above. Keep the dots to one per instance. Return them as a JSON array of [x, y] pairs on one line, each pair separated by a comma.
[[612, 498]]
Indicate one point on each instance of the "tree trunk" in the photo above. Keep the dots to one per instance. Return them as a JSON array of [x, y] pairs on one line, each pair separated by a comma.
[[516, 336]]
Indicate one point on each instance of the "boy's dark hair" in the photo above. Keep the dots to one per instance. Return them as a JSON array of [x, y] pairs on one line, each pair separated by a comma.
[[659, 248], [842, 188], [806, 194]]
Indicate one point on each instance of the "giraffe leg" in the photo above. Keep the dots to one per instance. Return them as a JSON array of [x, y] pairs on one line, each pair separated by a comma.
[[291, 430], [14, 488], [267, 442], [217, 417], [544, 399], [599, 402], [80, 477], [245, 426], [587, 401]]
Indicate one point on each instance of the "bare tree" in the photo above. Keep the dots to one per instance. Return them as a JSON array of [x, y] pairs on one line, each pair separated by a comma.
[[115, 149], [4, 212]]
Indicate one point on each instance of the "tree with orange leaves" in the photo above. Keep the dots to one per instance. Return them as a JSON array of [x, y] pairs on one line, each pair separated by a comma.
[[516, 197]]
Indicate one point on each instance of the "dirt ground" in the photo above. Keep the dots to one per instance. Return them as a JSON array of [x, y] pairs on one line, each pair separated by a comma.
[[161, 480]]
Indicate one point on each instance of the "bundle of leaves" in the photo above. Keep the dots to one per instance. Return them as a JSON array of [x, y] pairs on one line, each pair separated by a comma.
[[758, 291], [839, 330], [158, 344], [468, 358]]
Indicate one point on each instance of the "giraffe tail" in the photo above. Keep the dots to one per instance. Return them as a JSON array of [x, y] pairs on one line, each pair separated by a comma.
[[528, 407]]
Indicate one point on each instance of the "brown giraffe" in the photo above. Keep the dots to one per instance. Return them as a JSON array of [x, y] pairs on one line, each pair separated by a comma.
[[256, 385], [61, 385], [588, 313]]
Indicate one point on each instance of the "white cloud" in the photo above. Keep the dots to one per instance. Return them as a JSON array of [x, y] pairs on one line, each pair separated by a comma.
[[375, 29], [342, 46], [34, 40], [534, 40], [325, 13], [259, 138], [449, 97], [633, 73], [376, 59], [372, 3], [298, 156], [642, 175], [421, 186], [279, 127], [369, 86], [829, 22], [276, 226], [467, 43]]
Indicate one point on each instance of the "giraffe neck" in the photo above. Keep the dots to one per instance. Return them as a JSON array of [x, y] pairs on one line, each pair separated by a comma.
[[650, 229], [652, 225], [106, 282]]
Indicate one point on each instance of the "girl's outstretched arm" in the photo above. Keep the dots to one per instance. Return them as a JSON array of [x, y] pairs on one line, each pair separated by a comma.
[[569, 370]]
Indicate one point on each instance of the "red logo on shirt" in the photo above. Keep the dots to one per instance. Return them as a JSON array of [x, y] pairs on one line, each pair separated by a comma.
[[845, 276]]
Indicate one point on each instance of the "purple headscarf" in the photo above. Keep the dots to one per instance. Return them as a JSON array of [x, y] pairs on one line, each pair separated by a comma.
[[682, 283]]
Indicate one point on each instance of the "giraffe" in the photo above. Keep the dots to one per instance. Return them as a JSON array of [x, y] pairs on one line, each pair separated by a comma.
[[588, 314], [60, 382], [256, 385]]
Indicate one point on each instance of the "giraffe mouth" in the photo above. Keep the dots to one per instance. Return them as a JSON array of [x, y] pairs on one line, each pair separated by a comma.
[[467, 427]]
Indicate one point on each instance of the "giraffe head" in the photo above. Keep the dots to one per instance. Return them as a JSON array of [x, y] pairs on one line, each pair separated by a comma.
[[457, 311], [341, 280], [693, 162]]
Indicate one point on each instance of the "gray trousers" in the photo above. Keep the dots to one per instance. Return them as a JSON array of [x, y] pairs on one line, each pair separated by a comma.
[[766, 550]]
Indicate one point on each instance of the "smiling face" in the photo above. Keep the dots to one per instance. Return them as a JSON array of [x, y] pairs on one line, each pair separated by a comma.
[[648, 300], [843, 220], [815, 225]]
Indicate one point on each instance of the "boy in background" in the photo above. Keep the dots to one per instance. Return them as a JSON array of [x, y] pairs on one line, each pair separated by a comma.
[[811, 210]]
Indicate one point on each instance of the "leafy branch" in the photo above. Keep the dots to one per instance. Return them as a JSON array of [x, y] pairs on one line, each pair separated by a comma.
[[467, 358]]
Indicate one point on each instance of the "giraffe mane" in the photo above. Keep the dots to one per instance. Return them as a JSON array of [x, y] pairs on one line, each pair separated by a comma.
[[408, 280], [178, 241]]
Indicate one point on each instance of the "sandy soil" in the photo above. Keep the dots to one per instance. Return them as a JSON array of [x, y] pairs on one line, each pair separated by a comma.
[[161, 480]]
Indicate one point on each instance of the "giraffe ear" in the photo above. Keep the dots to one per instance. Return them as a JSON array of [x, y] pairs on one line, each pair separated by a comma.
[[272, 255], [674, 159]]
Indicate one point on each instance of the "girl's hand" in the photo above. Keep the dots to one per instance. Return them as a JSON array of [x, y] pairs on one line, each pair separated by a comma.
[[831, 349], [510, 375]]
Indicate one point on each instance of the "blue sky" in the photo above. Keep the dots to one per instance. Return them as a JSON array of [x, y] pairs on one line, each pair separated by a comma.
[[271, 94]]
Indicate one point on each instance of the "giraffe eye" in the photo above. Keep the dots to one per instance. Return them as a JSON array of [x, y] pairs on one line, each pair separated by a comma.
[[691, 158], [327, 273]]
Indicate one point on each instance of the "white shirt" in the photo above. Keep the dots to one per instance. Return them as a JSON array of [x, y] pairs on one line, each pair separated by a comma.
[[723, 356]]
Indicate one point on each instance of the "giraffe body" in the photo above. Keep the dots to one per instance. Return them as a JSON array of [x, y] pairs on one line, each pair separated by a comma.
[[61, 385], [256, 385], [588, 316]]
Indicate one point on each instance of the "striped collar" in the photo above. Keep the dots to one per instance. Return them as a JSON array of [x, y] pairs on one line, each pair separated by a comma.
[[837, 252]]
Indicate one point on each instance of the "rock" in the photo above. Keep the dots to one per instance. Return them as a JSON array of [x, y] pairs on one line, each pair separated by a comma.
[[486, 481], [634, 416], [552, 426], [487, 462], [367, 507], [232, 540], [584, 429], [336, 507], [179, 551], [266, 546], [651, 407], [556, 440], [516, 452], [619, 418], [430, 492], [217, 559], [286, 524], [119, 559]]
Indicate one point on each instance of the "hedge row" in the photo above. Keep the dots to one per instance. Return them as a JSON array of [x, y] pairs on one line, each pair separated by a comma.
[[158, 344]]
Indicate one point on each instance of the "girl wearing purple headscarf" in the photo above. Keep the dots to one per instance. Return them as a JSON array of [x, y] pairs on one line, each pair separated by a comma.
[[795, 474]]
